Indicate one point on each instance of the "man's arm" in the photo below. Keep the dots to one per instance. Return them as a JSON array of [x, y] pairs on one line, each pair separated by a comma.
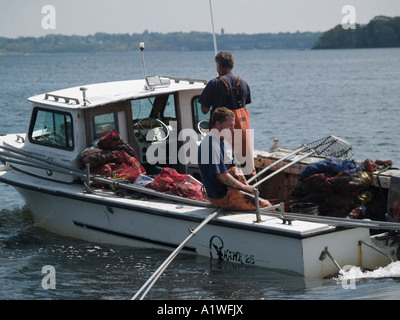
[[230, 181]]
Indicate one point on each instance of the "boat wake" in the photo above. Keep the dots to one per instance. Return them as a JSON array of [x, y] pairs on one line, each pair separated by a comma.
[[392, 270]]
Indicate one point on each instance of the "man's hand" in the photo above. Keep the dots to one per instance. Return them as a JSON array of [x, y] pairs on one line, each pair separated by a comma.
[[238, 174], [248, 188], [205, 109]]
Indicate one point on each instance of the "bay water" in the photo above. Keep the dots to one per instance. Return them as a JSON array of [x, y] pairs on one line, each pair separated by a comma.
[[297, 97]]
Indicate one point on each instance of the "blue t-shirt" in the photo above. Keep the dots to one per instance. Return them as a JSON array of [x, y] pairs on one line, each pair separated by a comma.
[[215, 93], [214, 157]]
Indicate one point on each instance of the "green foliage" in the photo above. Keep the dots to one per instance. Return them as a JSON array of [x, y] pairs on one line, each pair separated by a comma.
[[176, 41], [380, 32]]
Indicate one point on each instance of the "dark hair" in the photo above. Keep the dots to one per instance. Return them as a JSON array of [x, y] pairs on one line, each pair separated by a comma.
[[220, 114], [225, 59]]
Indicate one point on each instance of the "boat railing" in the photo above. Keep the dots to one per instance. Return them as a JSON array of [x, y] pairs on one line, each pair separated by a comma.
[[57, 98], [370, 245], [279, 206], [16, 156], [191, 81]]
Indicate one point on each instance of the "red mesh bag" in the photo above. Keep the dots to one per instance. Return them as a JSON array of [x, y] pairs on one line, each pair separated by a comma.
[[347, 184], [319, 181], [370, 166], [113, 141], [105, 169], [127, 172], [172, 182], [96, 157]]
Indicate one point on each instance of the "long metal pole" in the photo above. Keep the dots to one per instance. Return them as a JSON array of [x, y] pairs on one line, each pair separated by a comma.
[[152, 280], [333, 221], [212, 23], [275, 163], [37, 162], [283, 168]]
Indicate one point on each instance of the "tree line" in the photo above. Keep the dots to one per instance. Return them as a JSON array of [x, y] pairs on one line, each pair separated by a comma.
[[176, 41], [380, 32]]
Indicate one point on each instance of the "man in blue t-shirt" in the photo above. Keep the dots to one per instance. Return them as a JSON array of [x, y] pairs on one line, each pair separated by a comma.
[[225, 184], [227, 90]]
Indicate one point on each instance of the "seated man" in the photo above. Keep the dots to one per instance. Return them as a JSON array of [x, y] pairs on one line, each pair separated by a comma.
[[225, 184]]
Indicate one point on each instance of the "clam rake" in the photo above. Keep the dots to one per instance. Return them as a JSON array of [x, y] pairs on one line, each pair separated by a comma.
[[330, 146]]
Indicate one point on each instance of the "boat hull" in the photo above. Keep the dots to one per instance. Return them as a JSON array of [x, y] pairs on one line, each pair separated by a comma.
[[236, 237]]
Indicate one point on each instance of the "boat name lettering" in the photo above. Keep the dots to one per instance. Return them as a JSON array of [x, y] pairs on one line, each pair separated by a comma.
[[217, 248], [229, 255]]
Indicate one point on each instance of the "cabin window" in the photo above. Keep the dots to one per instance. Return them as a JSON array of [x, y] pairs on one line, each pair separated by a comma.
[[198, 115], [104, 123], [51, 128], [160, 107], [169, 110], [141, 108]]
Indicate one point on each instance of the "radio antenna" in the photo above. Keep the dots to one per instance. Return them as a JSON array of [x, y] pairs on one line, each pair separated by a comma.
[[141, 46], [212, 23]]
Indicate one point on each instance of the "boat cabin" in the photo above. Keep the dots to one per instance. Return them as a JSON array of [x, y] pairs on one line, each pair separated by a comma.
[[151, 118]]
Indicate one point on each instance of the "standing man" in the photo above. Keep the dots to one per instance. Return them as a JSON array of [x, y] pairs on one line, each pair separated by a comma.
[[232, 92], [224, 182]]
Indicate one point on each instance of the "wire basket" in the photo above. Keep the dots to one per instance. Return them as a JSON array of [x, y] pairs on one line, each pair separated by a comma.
[[331, 146]]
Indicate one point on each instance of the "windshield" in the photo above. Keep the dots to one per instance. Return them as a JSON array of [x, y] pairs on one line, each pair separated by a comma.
[[50, 128]]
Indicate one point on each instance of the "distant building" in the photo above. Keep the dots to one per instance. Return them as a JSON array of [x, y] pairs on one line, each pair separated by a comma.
[[222, 31]]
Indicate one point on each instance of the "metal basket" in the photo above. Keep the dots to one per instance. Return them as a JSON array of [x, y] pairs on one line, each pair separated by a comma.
[[331, 146]]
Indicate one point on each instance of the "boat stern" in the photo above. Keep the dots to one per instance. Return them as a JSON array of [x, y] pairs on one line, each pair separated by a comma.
[[340, 250]]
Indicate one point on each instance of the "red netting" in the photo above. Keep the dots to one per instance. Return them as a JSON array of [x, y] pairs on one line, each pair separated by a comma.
[[114, 158], [172, 182], [113, 141]]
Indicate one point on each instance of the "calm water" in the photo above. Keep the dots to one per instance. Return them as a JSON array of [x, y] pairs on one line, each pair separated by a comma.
[[298, 97]]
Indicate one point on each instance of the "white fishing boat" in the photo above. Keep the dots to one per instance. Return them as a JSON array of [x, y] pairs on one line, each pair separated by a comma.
[[160, 118]]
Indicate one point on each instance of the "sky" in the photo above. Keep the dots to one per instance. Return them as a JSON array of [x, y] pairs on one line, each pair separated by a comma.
[[83, 17]]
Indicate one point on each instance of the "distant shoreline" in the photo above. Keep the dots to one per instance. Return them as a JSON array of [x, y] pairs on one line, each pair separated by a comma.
[[177, 41], [380, 32]]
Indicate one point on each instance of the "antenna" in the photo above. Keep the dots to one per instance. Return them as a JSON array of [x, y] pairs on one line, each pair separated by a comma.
[[141, 46], [212, 23], [83, 89]]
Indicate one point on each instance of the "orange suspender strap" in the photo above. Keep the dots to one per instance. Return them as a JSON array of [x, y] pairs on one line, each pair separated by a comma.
[[227, 86], [228, 91], [237, 86]]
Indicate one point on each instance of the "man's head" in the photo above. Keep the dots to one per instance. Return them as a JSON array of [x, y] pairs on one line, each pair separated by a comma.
[[224, 61], [223, 118]]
